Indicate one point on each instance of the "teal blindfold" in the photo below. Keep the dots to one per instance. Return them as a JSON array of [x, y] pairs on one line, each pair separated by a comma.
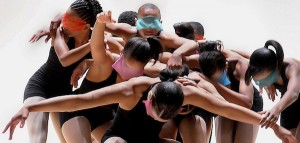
[[223, 79], [148, 22], [269, 80]]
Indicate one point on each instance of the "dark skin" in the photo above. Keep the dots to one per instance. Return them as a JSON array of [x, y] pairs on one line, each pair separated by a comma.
[[169, 41], [128, 93]]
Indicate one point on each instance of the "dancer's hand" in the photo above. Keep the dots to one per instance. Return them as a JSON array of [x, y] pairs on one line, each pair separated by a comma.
[[21, 116], [49, 32], [285, 135], [54, 25], [186, 81], [270, 117], [77, 73], [271, 92], [39, 34], [104, 17], [175, 61]]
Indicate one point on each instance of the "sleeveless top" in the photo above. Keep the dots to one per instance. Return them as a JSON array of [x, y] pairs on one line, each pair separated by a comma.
[[52, 79], [135, 125]]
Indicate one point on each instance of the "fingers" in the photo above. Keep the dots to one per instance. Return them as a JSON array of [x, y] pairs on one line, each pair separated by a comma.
[[271, 91], [272, 97], [268, 93], [11, 126], [22, 122], [261, 90], [75, 84], [186, 81], [35, 37], [269, 121], [262, 112], [179, 83], [74, 78], [264, 118], [6, 127], [289, 139], [174, 63], [292, 139], [31, 39], [11, 131], [104, 17], [47, 39], [273, 122], [109, 14], [54, 25]]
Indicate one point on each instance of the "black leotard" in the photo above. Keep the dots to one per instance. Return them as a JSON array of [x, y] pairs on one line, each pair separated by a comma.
[[98, 115], [289, 117], [52, 79], [134, 126]]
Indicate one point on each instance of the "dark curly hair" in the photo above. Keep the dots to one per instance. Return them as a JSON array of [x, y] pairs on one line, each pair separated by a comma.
[[128, 17], [87, 10]]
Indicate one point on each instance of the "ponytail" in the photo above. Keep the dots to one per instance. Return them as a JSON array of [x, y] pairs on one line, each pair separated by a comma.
[[264, 59], [279, 51]]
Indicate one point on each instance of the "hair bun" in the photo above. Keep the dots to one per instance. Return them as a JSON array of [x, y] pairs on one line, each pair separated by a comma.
[[168, 74]]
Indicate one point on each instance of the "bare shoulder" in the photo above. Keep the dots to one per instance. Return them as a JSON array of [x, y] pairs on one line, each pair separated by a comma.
[[137, 86], [292, 66], [292, 61], [142, 82], [168, 36], [242, 62]]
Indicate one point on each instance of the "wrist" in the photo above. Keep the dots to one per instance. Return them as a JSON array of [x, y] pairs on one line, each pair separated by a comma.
[[275, 127], [27, 107], [177, 54]]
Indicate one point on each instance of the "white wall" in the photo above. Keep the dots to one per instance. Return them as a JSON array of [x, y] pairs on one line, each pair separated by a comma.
[[242, 25]]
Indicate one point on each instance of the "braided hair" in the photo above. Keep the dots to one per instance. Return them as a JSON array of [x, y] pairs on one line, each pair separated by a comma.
[[87, 10]]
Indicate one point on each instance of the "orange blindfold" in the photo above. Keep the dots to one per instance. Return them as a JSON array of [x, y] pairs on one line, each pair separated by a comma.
[[72, 23]]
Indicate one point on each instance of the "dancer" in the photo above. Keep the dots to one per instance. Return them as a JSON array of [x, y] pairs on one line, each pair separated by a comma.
[[70, 47], [145, 104], [272, 71]]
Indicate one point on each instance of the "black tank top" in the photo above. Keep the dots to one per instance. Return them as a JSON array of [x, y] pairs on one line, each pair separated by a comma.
[[135, 125], [87, 86], [54, 70], [282, 88], [235, 84]]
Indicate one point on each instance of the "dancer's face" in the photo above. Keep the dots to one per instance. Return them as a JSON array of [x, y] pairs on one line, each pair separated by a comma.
[[143, 12], [73, 24]]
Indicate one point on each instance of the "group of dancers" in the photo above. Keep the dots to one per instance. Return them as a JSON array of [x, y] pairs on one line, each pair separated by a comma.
[[142, 84]]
